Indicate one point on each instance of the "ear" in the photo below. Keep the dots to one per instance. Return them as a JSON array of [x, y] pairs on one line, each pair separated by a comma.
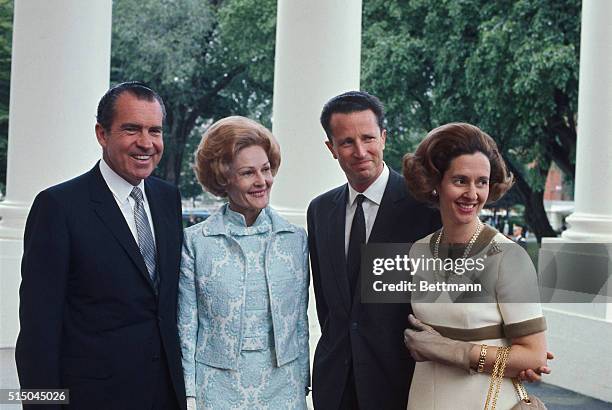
[[383, 137], [330, 146], [101, 135]]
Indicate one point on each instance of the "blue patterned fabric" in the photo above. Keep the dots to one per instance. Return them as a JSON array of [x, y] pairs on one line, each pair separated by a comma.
[[243, 296]]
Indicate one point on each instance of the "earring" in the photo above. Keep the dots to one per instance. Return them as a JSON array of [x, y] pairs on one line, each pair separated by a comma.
[[434, 193]]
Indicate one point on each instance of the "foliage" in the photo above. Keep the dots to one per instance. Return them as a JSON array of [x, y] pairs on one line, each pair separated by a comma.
[[509, 67], [197, 55]]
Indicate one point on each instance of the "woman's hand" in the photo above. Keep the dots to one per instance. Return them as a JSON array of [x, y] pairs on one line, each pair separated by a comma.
[[426, 344], [531, 375]]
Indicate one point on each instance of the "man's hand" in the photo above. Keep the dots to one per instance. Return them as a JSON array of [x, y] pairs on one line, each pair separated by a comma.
[[426, 344], [531, 375]]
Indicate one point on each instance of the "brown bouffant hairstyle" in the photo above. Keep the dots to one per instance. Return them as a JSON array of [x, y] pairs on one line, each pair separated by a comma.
[[219, 146], [425, 168]]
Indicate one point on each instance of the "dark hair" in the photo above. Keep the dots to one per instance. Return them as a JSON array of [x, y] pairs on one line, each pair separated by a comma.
[[349, 102], [425, 168], [106, 106], [221, 143]]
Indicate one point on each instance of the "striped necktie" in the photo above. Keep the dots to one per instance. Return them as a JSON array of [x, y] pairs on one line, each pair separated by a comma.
[[145, 237]]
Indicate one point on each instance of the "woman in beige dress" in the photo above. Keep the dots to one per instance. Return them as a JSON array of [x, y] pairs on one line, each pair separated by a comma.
[[458, 169]]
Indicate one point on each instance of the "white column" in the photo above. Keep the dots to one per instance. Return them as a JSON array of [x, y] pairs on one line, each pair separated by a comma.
[[592, 218], [318, 46], [60, 69], [575, 330]]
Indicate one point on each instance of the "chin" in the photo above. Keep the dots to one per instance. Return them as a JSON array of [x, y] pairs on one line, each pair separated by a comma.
[[142, 173], [260, 205], [142, 177], [465, 219], [366, 172]]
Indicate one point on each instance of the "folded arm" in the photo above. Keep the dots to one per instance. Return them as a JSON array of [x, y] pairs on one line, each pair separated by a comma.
[[426, 344]]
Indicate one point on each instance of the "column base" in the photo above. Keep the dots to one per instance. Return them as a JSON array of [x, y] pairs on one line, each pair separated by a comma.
[[578, 342], [575, 276], [12, 224], [13, 215], [10, 278], [585, 227], [576, 330]]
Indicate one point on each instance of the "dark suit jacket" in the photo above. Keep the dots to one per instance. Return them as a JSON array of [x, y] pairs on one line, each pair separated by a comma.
[[367, 336], [90, 318]]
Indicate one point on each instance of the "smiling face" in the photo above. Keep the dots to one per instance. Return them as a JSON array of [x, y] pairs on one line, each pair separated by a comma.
[[463, 191], [134, 144], [250, 182], [358, 143]]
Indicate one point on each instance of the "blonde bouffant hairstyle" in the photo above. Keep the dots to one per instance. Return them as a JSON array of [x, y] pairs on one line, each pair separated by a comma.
[[425, 169], [219, 146]]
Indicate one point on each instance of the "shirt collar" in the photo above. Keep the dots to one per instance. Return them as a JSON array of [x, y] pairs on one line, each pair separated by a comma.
[[375, 191], [120, 188], [238, 219]]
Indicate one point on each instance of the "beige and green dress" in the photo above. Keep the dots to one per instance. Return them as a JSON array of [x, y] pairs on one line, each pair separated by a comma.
[[508, 271]]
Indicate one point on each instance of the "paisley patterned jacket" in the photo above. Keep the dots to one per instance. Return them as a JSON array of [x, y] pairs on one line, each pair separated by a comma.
[[211, 297]]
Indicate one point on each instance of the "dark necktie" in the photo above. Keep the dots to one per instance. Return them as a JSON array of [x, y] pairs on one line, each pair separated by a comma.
[[356, 239], [143, 231]]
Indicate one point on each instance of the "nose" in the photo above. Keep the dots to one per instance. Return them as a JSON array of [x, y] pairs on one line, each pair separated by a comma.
[[260, 179], [144, 140], [471, 192], [359, 151]]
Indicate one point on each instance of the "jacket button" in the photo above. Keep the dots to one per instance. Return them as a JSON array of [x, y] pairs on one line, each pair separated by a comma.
[[354, 325], [346, 361]]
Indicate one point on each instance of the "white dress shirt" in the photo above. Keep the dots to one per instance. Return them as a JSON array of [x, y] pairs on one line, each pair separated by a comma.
[[373, 195], [121, 190]]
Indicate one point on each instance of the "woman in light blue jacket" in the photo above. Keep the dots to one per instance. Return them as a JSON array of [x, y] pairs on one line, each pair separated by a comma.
[[243, 288]]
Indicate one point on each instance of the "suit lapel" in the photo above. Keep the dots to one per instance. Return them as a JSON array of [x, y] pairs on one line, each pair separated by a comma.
[[336, 226], [384, 224], [107, 210], [161, 228]]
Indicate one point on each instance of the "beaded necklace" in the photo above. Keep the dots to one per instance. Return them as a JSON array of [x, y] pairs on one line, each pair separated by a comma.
[[466, 252]]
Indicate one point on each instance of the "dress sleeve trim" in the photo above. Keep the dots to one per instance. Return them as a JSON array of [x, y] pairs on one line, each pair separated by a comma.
[[500, 331], [525, 328], [480, 333]]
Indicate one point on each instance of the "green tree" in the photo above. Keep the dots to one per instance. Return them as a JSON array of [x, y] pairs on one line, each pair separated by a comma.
[[6, 35], [207, 59], [510, 67]]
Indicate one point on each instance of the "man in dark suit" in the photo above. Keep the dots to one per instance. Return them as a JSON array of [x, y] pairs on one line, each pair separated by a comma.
[[360, 361], [100, 269]]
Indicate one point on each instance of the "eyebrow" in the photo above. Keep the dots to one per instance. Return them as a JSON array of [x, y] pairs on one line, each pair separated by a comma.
[[253, 167], [466, 177], [343, 139], [129, 125], [139, 126], [351, 138]]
